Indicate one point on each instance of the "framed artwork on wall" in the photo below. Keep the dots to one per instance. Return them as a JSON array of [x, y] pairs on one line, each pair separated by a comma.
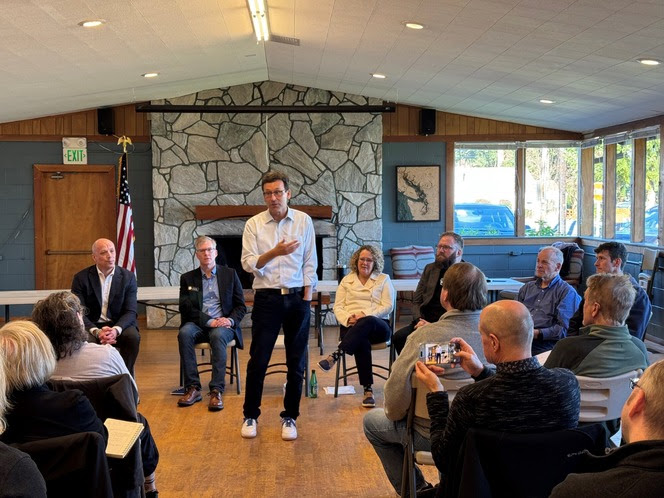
[[418, 193]]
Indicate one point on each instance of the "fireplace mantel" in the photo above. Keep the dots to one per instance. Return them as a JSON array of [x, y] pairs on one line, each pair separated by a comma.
[[224, 212]]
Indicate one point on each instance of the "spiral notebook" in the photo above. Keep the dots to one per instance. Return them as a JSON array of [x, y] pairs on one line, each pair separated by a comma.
[[122, 435]]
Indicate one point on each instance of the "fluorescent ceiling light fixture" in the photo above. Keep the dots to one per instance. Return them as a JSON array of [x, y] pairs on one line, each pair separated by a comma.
[[91, 23], [649, 62], [258, 13], [413, 25], [379, 76], [547, 101], [150, 75]]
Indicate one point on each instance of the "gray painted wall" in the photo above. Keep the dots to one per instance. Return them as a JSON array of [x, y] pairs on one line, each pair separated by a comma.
[[17, 259]]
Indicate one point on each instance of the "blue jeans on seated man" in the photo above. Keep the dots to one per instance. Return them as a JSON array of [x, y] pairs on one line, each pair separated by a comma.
[[191, 334], [388, 439]]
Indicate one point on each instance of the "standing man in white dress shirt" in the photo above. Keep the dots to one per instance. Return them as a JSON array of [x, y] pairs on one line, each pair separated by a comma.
[[279, 249]]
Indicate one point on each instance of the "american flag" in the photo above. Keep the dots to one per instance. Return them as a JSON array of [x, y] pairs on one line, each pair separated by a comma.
[[125, 220]]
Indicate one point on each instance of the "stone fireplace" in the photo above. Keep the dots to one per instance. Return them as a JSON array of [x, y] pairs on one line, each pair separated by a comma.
[[207, 159]]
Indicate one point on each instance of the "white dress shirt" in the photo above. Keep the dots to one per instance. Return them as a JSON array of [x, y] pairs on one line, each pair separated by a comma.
[[262, 233], [375, 298]]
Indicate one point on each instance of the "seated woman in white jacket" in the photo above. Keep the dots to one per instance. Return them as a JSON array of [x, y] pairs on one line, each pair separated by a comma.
[[363, 303]]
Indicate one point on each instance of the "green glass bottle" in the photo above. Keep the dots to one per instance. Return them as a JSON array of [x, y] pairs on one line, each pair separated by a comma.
[[313, 385]]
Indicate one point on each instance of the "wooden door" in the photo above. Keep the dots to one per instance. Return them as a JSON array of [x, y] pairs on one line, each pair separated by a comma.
[[74, 205]]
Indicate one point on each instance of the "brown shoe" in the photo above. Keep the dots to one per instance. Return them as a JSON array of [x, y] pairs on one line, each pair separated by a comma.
[[215, 403], [191, 396]]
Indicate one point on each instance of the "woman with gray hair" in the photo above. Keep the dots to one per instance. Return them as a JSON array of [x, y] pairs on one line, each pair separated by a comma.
[[60, 317], [19, 475], [364, 301]]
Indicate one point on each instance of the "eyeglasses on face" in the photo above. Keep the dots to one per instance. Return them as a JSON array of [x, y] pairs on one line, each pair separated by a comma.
[[366, 260], [443, 247], [204, 250], [277, 193]]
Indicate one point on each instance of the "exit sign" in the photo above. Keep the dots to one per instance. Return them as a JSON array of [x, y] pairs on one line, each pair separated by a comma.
[[75, 150]]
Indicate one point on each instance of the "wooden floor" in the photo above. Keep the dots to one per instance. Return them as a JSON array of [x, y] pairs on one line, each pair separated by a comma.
[[203, 454]]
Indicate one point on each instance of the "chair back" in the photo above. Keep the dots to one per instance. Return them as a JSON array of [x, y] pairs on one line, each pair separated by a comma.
[[649, 266], [420, 393], [113, 397], [74, 465], [494, 463], [603, 399]]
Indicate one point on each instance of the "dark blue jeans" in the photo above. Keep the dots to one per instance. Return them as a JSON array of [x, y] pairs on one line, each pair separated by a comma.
[[357, 340], [191, 334], [272, 311]]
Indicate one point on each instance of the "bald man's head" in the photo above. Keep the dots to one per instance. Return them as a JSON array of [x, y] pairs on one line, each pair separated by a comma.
[[510, 322]]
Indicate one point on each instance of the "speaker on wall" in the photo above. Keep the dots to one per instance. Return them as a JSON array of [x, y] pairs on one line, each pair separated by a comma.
[[427, 121], [105, 121]]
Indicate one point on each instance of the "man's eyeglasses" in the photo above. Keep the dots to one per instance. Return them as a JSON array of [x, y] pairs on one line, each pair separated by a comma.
[[277, 193], [209, 249], [634, 383], [445, 248]]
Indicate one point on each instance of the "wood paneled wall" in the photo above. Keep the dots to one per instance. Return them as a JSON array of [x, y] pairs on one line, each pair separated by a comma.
[[79, 124], [404, 125]]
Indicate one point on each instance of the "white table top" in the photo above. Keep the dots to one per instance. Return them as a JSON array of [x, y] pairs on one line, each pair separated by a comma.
[[410, 284], [172, 292]]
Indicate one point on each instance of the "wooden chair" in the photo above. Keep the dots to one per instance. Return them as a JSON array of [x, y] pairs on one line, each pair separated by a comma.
[[418, 408], [233, 370], [348, 372]]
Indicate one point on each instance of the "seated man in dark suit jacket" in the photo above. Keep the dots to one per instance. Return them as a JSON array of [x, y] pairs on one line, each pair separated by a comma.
[[212, 307], [426, 301], [109, 294]]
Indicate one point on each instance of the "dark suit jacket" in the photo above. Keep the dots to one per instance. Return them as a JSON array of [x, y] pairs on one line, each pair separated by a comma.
[[426, 287], [121, 298], [230, 295]]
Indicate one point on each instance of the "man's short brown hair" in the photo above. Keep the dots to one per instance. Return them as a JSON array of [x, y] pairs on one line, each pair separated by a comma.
[[466, 287], [274, 176]]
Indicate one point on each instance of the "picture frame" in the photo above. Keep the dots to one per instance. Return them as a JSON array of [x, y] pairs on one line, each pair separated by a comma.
[[418, 193]]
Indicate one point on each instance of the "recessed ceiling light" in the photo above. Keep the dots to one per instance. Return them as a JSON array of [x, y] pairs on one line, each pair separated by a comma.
[[413, 25], [379, 76], [547, 101], [150, 75], [649, 62], [91, 23]]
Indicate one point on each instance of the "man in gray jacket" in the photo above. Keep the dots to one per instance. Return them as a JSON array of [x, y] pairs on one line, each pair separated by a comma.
[[463, 295]]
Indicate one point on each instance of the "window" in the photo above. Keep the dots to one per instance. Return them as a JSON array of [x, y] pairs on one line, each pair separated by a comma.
[[623, 190], [598, 191], [484, 180], [652, 190], [552, 185]]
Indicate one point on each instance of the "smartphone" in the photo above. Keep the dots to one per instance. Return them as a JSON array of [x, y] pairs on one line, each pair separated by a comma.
[[440, 354]]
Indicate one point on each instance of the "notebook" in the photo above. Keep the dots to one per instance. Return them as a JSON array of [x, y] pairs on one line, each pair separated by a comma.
[[122, 435]]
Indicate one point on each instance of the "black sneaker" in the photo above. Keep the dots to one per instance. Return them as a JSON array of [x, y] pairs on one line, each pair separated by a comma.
[[368, 401], [327, 363]]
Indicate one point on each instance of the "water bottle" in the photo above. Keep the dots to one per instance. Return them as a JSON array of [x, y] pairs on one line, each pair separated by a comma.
[[313, 385]]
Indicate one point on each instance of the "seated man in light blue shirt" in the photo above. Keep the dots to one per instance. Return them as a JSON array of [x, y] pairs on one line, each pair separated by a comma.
[[551, 301], [212, 307]]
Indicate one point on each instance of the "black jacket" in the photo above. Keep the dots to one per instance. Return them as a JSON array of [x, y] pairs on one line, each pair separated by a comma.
[[633, 470], [231, 296], [121, 298]]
